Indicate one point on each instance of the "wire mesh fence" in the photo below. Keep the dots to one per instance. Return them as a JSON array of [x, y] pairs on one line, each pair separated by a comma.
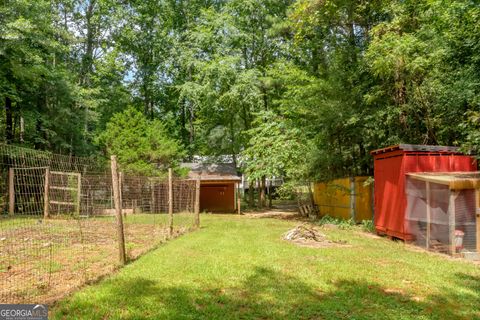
[[441, 213], [58, 227]]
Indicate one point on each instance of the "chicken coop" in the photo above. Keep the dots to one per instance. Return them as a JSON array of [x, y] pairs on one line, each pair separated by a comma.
[[391, 168], [443, 212]]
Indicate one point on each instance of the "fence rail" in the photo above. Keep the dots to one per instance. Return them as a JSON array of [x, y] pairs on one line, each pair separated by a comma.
[[62, 220]]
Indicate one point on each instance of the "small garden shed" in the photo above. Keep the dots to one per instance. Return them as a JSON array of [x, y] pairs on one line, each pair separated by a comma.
[[218, 186], [391, 166]]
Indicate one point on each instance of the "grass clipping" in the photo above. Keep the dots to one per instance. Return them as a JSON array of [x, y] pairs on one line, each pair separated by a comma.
[[309, 236]]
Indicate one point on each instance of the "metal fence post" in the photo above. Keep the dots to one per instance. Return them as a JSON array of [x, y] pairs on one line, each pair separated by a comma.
[[11, 192], [46, 190], [170, 202], [79, 193]]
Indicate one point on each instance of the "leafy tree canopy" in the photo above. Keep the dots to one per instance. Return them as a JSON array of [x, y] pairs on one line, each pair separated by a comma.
[[142, 146], [270, 80]]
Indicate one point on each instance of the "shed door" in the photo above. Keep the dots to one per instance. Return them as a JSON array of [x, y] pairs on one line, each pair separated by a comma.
[[390, 200], [217, 198]]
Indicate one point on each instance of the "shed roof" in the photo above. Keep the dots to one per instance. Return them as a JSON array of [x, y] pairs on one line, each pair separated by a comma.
[[454, 180], [417, 147], [212, 171]]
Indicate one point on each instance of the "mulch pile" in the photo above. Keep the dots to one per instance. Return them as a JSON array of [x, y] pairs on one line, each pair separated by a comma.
[[309, 236]]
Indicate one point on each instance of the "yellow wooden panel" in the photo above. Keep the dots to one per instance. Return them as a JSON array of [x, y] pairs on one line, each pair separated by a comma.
[[363, 200], [333, 198]]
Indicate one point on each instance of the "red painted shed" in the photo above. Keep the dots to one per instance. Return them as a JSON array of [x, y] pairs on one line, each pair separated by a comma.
[[218, 186], [391, 166]]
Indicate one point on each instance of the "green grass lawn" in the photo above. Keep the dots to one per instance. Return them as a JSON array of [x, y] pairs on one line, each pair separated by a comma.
[[239, 268]]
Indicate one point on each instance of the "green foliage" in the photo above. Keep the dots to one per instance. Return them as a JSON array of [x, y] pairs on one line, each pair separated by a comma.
[[368, 226], [142, 146], [350, 224], [287, 191], [425, 58], [340, 223], [275, 148], [303, 89]]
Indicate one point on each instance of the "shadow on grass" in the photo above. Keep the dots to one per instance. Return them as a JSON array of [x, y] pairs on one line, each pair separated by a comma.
[[266, 294]]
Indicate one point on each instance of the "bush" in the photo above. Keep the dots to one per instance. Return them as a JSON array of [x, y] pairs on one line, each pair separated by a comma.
[[368, 226], [365, 225], [341, 223]]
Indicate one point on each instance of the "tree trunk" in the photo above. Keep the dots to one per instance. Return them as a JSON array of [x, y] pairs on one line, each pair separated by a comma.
[[184, 132], [22, 129], [258, 187], [87, 61], [39, 129], [270, 193], [262, 191], [191, 119], [146, 100], [251, 198], [8, 120], [310, 194]]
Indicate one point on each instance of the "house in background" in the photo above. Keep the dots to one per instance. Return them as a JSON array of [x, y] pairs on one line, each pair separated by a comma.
[[219, 185]]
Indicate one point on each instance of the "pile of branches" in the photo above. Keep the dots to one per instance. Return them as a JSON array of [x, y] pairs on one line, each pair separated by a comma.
[[304, 232]]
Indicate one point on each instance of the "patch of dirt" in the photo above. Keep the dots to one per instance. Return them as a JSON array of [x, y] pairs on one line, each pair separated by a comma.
[[368, 235], [283, 212], [393, 291], [306, 235], [46, 261]]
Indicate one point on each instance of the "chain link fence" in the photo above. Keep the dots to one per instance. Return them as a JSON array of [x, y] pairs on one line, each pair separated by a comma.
[[59, 226]]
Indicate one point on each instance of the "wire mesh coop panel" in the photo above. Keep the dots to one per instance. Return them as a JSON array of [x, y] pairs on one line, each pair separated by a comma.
[[57, 220], [442, 211]]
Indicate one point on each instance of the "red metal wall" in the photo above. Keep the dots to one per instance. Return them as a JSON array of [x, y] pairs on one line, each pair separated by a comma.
[[390, 176]]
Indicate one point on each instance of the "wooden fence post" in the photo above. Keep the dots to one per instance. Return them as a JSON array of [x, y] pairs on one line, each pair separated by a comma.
[[429, 214], [170, 203], [46, 204], [352, 199], [197, 203], [451, 220], [11, 191], [118, 211], [120, 188], [239, 200]]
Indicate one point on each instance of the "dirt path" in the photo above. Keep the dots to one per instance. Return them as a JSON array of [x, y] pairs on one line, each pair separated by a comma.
[[286, 211]]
